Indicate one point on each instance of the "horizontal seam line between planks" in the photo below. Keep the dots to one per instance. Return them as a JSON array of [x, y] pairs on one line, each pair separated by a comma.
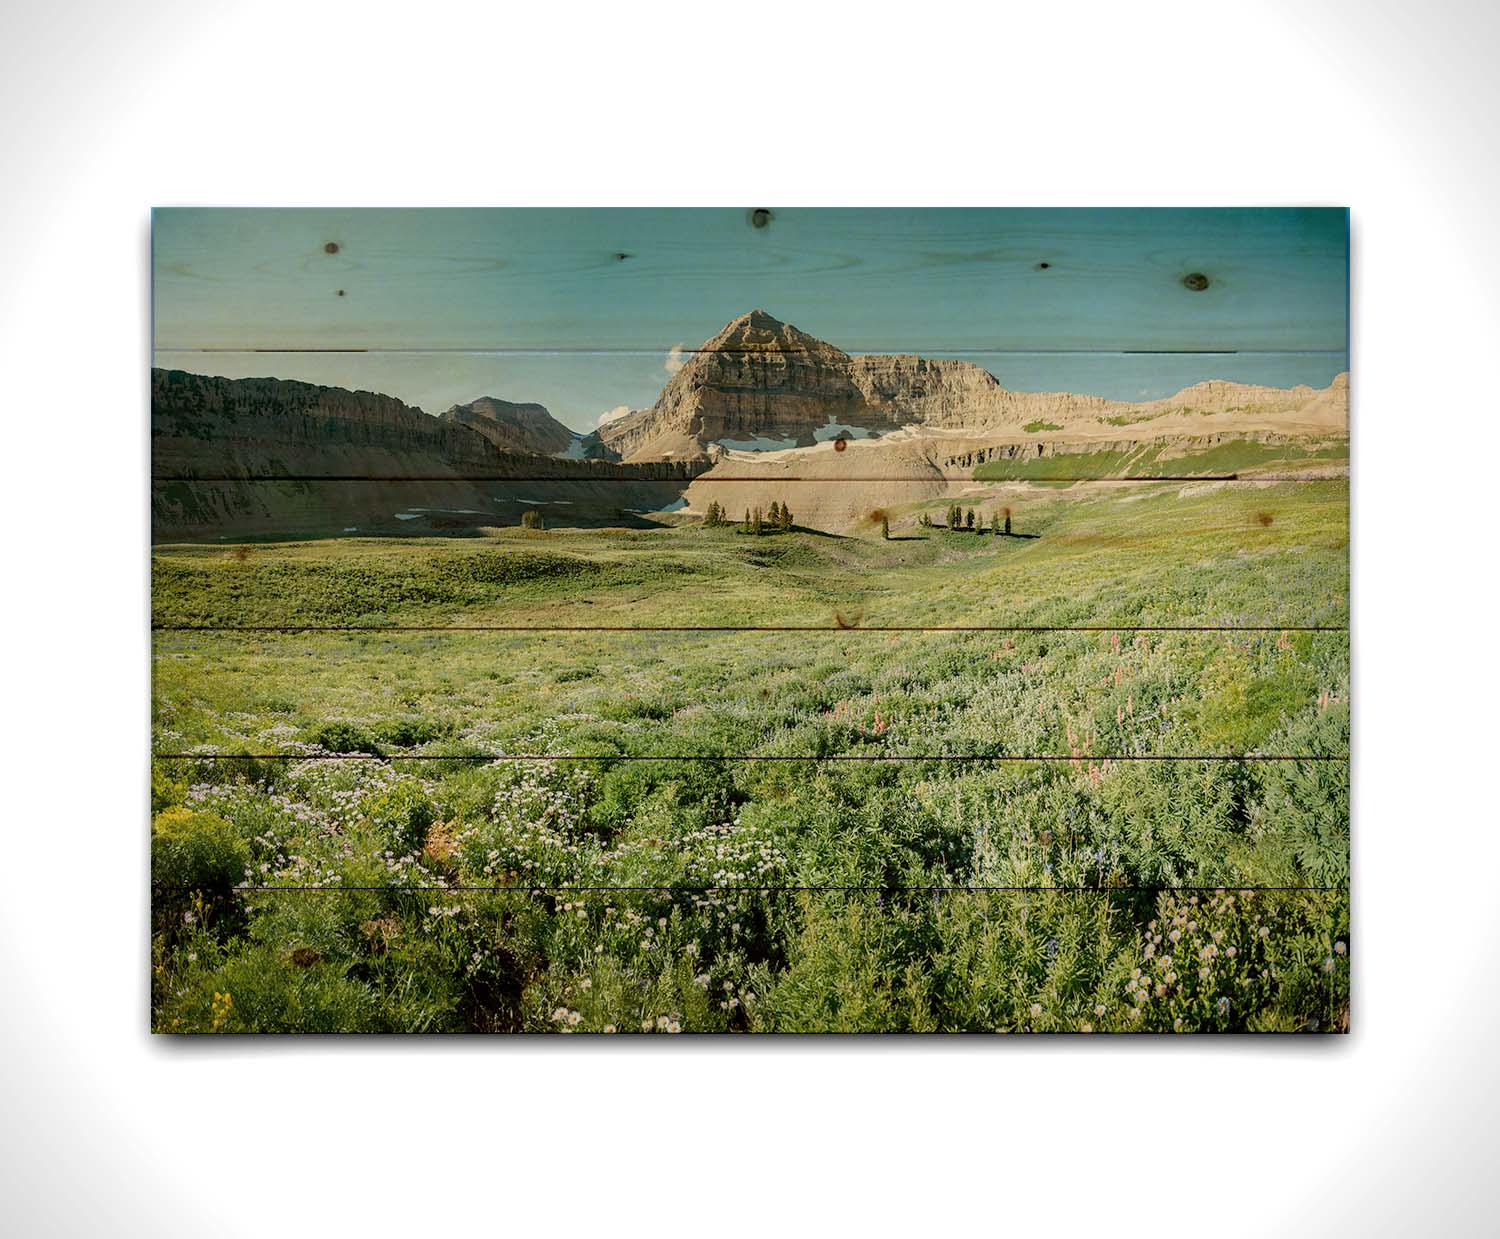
[[768, 757], [492, 479], [828, 628], [687, 890], [934, 352]]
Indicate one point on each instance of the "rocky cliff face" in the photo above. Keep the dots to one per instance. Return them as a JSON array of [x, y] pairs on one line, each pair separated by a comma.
[[765, 382], [201, 424], [513, 427], [956, 394], [758, 378], [243, 456]]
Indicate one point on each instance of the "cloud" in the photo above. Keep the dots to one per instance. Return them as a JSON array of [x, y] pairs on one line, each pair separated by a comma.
[[675, 359], [612, 415]]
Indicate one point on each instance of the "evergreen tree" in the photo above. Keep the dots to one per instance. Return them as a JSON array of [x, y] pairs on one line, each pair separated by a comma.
[[925, 520], [969, 519], [532, 519], [885, 527], [758, 522], [995, 523], [746, 526], [786, 518], [1007, 522]]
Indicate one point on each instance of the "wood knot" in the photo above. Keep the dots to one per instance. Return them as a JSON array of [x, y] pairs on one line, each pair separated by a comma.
[[1195, 281], [331, 248], [760, 217]]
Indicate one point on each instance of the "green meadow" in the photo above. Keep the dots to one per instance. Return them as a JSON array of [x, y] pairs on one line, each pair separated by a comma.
[[909, 803], [1153, 460]]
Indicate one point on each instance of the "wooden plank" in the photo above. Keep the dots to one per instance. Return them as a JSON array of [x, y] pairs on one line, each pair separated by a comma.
[[1220, 279], [787, 696], [1080, 510], [1215, 554], [860, 958]]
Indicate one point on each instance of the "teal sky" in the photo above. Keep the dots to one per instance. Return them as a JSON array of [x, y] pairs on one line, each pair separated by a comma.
[[580, 309]]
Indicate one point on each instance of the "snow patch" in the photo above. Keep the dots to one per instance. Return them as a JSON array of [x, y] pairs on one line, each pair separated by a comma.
[[758, 444], [834, 429], [679, 505]]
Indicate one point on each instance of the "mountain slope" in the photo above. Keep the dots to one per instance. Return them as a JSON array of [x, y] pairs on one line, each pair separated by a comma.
[[232, 457], [513, 427]]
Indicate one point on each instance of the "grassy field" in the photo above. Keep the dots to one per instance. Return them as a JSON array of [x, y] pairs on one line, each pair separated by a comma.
[[1154, 460], [838, 829]]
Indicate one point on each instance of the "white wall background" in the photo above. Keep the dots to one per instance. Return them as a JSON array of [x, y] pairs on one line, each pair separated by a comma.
[[108, 108]]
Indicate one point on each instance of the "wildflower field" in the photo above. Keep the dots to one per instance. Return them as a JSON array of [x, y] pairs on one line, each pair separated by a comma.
[[1090, 780]]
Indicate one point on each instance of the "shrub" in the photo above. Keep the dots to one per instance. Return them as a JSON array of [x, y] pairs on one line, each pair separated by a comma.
[[166, 791], [196, 852], [408, 732], [341, 737], [405, 812], [262, 989]]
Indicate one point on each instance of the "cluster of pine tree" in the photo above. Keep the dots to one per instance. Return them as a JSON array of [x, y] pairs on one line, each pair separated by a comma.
[[971, 520], [716, 515], [777, 520], [959, 519]]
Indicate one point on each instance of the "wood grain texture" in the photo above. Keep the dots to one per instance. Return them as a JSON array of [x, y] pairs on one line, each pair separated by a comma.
[[1157, 280]]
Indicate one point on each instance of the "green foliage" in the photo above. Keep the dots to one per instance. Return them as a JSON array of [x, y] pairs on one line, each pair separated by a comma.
[[1036, 427], [193, 851], [167, 791], [405, 812], [654, 885], [532, 519], [344, 737]]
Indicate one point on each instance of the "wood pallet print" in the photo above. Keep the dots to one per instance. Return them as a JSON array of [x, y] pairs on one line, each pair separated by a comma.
[[763, 620]]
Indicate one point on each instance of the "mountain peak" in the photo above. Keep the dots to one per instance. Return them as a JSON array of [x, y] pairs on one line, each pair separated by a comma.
[[759, 331], [513, 426]]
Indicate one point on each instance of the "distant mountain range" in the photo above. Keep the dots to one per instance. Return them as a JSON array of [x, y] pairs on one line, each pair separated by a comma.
[[526, 428], [759, 399]]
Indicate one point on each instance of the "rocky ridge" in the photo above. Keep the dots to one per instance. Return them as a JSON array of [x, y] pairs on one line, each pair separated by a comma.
[[760, 379]]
